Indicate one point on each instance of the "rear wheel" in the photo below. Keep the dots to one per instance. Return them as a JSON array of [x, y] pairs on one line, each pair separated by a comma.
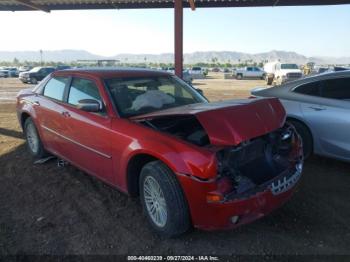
[[305, 135], [239, 76], [34, 143], [163, 200]]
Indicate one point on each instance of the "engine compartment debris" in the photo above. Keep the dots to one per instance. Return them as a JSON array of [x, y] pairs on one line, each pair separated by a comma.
[[271, 162]]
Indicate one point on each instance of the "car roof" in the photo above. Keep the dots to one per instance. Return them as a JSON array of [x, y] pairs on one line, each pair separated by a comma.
[[113, 72], [284, 90], [323, 76]]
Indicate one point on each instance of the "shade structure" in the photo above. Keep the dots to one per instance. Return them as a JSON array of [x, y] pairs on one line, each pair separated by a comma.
[[48, 5], [178, 5]]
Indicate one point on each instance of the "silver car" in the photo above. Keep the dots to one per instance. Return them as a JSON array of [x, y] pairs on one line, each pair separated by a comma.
[[319, 108]]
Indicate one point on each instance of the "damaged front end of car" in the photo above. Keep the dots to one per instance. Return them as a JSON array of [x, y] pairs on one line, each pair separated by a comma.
[[255, 149], [252, 159], [272, 162]]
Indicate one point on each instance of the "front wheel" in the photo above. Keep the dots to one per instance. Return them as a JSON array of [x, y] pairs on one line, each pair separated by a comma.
[[33, 80], [34, 143], [163, 200], [239, 77]]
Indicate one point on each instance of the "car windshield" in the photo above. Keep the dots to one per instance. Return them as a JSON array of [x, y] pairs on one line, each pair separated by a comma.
[[289, 66], [140, 95], [35, 69]]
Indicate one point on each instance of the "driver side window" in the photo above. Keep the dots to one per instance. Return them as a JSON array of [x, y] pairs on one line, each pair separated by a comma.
[[311, 89], [83, 89]]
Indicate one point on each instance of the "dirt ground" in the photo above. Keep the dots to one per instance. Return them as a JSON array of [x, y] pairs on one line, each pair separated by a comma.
[[45, 209]]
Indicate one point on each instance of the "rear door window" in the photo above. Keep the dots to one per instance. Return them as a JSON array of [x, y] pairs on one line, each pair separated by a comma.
[[83, 89], [311, 89], [336, 88], [55, 87]]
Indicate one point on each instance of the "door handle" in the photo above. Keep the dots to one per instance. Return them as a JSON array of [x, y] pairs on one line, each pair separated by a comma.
[[65, 114], [36, 103], [317, 108]]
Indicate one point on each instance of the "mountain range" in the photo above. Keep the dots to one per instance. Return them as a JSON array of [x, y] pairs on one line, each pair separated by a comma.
[[69, 55]]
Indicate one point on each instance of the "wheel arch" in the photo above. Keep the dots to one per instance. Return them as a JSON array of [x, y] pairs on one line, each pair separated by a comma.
[[24, 116], [133, 171], [300, 121]]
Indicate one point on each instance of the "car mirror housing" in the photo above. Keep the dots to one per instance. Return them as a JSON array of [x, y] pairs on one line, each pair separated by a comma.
[[89, 105], [200, 91]]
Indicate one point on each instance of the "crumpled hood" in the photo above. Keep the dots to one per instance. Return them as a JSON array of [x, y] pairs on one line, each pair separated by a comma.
[[231, 122]]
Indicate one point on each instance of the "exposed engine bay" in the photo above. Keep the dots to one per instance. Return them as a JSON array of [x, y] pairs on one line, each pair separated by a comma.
[[187, 128], [273, 160]]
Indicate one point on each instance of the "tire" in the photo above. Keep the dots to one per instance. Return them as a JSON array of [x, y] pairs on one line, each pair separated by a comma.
[[34, 144], [306, 137], [239, 77], [269, 80], [33, 80], [169, 201]]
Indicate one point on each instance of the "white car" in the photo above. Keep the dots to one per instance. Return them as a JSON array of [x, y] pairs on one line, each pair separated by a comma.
[[197, 72], [170, 70]]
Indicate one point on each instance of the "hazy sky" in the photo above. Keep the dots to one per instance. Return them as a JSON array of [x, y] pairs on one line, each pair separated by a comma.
[[322, 31]]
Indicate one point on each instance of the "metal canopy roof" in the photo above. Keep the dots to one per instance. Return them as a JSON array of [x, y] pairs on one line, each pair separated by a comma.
[[48, 5]]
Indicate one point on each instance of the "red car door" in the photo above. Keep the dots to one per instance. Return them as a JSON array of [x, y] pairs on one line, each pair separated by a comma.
[[49, 120], [89, 134]]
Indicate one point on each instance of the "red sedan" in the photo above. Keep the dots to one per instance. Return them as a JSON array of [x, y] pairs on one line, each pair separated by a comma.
[[149, 134]]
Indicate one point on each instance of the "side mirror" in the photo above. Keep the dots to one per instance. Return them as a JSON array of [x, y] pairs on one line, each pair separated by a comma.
[[89, 105], [200, 91]]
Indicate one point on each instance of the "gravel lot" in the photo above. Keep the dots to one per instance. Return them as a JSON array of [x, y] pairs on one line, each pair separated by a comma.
[[45, 209]]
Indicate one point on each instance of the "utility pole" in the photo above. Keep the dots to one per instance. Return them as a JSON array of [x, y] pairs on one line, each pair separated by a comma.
[[41, 57]]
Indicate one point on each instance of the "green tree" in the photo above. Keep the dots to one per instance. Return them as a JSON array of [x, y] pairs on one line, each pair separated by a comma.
[[15, 61]]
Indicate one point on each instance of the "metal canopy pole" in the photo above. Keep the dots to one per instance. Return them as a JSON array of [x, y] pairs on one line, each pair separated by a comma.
[[178, 37]]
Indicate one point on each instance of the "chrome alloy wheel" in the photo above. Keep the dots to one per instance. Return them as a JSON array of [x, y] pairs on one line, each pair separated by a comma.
[[155, 201], [32, 138]]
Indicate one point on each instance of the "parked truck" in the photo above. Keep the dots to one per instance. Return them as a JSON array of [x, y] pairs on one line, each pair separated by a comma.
[[249, 72], [278, 73]]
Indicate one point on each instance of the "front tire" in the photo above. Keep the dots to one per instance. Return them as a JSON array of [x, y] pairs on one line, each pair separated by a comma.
[[163, 200], [33, 80], [34, 143]]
